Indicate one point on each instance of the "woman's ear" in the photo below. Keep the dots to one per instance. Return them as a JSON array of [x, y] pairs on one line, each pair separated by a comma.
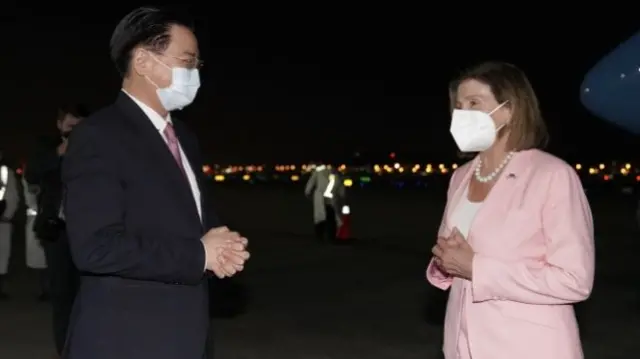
[[507, 110]]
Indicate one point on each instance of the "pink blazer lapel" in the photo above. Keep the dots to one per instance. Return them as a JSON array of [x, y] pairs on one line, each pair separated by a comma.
[[460, 186], [501, 199]]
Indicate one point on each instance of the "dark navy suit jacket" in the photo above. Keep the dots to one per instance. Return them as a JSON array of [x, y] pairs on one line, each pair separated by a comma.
[[134, 233]]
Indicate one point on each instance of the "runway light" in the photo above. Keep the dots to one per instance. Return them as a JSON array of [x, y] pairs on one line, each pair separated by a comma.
[[246, 177], [206, 169], [348, 182], [219, 178], [295, 178], [601, 166], [627, 166], [578, 167], [346, 210]]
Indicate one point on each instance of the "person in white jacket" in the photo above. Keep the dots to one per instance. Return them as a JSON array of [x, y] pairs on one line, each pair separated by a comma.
[[35, 256], [9, 200]]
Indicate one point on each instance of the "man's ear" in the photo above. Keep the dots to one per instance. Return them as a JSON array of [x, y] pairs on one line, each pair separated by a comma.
[[140, 62]]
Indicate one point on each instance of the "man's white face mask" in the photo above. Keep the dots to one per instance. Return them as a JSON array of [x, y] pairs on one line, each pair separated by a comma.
[[183, 89]]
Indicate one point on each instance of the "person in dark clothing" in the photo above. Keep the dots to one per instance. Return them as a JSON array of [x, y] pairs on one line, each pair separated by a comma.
[[142, 226], [43, 170]]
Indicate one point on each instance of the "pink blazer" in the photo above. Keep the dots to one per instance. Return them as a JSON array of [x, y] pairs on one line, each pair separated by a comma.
[[533, 239]]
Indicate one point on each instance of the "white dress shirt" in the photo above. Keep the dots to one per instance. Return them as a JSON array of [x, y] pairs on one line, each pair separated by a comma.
[[161, 123]]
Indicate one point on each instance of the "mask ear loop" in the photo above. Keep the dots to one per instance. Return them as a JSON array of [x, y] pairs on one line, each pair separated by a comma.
[[496, 109], [169, 67]]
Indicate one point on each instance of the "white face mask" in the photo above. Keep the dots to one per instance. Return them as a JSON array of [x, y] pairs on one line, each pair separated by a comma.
[[183, 89], [474, 131]]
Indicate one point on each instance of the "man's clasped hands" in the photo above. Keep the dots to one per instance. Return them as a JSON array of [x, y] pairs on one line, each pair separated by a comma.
[[225, 251], [454, 256]]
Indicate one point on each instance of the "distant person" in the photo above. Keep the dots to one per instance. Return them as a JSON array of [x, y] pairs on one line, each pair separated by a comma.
[[9, 201], [35, 256], [516, 241], [43, 170], [326, 189], [141, 224]]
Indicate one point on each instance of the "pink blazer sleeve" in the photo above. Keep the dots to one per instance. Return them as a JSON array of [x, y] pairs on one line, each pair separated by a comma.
[[435, 276], [566, 274]]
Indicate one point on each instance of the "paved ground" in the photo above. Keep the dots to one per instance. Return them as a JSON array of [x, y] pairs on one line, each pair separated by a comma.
[[369, 300]]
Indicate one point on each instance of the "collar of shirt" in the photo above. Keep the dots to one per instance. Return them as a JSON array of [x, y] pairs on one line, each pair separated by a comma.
[[158, 121]]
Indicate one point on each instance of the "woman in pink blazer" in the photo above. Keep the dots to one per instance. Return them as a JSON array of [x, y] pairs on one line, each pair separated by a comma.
[[515, 246]]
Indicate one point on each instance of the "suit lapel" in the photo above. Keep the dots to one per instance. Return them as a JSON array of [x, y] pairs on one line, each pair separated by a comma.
[[159, 153], [498, 202], [192, 155], [461, 186]]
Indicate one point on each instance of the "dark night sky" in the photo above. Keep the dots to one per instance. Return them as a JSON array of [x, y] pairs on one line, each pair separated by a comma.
[[310, 83]]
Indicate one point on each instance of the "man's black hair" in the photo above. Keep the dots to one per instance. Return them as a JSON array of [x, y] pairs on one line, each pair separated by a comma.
[[144, 26]]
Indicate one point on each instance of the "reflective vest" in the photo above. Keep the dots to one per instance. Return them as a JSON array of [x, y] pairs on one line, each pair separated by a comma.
[[328, 193], [30, 199], [4, 177]]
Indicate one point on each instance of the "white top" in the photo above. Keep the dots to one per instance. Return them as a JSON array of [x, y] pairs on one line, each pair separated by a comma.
[[464, 213], [160, 123]]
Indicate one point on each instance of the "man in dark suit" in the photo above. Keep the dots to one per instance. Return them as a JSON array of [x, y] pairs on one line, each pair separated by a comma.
[[141, 228], [43, 170]]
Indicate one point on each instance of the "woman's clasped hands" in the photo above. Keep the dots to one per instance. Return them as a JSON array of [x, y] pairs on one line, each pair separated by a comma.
[[454, 255]]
